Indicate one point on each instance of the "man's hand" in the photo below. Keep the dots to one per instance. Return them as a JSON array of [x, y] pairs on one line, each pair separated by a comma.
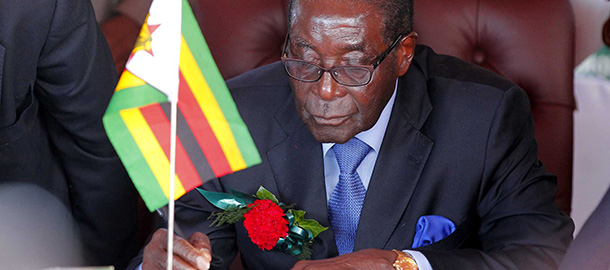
[[374, 259], [192, 254]]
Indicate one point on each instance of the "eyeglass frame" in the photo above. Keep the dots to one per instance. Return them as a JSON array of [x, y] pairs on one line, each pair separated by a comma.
[[370, 68]]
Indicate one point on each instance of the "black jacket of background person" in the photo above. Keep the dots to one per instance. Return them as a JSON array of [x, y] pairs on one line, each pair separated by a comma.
[[591, 247], [459, 144], [57, 79]]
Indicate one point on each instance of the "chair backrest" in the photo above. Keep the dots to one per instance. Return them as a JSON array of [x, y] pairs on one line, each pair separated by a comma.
[[528, 42]]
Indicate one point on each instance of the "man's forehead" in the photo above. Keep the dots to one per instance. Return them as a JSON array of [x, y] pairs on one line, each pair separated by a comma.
[[329, 14], [331, 21], [348, 26], [335, 34]]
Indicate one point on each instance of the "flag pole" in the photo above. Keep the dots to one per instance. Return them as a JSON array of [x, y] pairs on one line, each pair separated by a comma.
[[172, 184]]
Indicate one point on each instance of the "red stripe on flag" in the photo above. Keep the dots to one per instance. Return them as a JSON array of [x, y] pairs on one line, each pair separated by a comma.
[[160, 126], [201, 130]]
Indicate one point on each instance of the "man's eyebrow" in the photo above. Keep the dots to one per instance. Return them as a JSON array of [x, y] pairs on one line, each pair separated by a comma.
[[303, 44], [354, 47]]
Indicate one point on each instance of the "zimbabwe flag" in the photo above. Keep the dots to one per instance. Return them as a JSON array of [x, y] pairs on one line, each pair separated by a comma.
[[171, 62]]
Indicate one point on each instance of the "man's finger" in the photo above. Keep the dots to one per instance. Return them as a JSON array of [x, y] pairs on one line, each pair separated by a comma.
[[160, 238], [155, 254], [202, 243], [190, 254]]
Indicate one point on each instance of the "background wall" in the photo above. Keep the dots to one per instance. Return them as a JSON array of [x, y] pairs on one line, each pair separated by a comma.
[[589, 16]]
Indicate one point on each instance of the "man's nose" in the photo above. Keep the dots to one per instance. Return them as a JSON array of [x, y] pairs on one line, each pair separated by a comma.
[[328, 88]]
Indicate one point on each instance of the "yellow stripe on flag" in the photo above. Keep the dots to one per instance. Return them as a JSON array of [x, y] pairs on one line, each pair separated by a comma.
[[208, 104], [151, 149], [128, 80]]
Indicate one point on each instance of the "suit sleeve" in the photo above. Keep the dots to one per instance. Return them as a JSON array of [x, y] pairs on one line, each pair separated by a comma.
[[520, 225], [75, 82]]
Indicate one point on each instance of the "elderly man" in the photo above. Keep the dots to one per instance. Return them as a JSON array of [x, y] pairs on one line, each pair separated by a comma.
[[439, 150]]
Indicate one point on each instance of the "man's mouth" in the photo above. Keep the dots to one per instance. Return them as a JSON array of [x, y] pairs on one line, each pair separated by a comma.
[[330, 121]]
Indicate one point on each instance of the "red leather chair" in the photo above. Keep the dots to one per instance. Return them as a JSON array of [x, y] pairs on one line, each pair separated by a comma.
[[528, 42]]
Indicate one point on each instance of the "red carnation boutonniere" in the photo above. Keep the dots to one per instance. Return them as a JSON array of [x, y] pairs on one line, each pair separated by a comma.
[[265, 223], [271, 225]]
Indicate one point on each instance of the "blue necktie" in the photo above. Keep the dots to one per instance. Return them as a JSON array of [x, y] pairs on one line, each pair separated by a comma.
[[346, 201]]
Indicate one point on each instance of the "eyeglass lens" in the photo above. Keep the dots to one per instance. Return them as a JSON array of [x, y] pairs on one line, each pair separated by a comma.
[[347, 75]]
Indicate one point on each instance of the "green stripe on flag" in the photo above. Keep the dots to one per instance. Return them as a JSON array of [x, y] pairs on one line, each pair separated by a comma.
[[201, 52], [139, 171], [133, 97]]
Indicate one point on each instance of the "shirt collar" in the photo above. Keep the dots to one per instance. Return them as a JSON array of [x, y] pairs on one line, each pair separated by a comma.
[[373, 136]]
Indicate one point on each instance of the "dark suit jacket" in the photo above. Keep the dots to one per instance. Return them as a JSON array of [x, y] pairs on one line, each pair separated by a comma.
[[57, 79], [459, 143], [591, 247]]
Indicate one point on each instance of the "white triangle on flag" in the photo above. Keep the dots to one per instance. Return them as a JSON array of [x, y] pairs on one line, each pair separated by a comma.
[[159, 66]]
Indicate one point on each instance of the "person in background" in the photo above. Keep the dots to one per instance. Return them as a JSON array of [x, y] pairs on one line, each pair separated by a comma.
[[591, 247], [57, 78]]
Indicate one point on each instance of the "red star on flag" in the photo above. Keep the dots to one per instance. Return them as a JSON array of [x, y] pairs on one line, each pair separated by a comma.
[[144, 39]]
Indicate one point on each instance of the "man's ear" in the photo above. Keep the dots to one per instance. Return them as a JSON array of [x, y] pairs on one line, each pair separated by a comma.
[[405, 51]]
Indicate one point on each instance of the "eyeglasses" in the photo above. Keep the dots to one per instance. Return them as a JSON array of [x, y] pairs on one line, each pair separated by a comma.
[[348, 75]]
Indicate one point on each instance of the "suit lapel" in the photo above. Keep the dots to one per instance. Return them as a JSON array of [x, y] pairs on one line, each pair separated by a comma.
[[298, 169], [397, 171], [399, 165]]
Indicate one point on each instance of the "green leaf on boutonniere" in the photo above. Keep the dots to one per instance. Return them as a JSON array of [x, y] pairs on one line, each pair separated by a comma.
[[222, 200], [265, 194], [230, 215], [299, 215], [312, 225], [244, 198]]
